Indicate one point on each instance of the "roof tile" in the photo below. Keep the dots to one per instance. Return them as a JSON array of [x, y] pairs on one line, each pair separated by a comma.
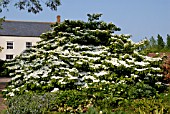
[[23, 28]]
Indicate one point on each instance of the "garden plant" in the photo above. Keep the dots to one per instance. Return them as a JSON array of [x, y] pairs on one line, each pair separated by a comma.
[[85, 64]]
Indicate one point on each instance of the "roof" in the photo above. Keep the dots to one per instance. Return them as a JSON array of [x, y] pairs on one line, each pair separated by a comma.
[[24, 28]]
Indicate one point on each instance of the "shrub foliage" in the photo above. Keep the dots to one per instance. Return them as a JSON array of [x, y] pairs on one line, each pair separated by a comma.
[[86, 56]]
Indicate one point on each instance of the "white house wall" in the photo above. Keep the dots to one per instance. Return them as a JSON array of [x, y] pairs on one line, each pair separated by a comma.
[[19, 45]]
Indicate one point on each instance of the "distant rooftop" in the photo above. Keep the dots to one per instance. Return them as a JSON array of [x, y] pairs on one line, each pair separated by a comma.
[[24, 28]]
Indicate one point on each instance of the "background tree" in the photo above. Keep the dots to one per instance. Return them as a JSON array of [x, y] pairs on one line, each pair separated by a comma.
[[168, 41], [160, 41], [153, 42], [34, 6], [1, 20]]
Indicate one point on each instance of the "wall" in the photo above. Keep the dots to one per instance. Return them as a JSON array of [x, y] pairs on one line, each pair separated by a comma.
[[19, 45]]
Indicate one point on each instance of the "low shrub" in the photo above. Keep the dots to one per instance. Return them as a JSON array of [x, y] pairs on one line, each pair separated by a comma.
[[74, 101], [147, 106], [4, 71]]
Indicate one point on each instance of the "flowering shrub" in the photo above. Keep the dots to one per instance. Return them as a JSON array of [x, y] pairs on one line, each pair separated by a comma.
[[86, 56]]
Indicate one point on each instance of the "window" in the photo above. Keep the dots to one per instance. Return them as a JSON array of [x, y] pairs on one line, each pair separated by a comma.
[[9, 57], [9, 44], [28, 44]]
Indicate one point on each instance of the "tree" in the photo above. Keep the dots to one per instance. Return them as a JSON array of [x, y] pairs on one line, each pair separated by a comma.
[[153, 42], [86, 56], [34, 6], [168, 41], [160, 41], [1, 20]]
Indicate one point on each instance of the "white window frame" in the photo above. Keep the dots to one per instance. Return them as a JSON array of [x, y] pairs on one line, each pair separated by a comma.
[[9, 56], [28, 44], [10, 45]]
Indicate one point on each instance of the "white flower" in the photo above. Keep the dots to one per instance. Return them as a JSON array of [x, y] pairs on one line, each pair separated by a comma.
[[17, 76], [158, 83], [89, 77], [4, 90], [73, 78], [83, 73], [141, 69], [36, 76], [126, 45], [149, 74], [112, 82], [96, 80], [121, 82], [56, 77], [124, 63], [103, 81], [134, 75], [42, 82], [61, 81], [130, 61], [79, 62], [17, 89], [152, 59], [11, 94], [85, 85], [155, 68], [55, 90], [101, 73], [45, 75], [100, 112], [141, 63], [146, 78], [159, 75], [113, 61]]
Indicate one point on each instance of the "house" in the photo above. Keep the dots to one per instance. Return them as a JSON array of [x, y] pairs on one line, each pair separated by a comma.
[[16, 36]]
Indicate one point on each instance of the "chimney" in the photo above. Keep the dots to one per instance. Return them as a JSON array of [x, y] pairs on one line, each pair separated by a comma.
[[58, 18]]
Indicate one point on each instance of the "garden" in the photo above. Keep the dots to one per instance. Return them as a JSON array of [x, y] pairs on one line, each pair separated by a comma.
[[85, 68]]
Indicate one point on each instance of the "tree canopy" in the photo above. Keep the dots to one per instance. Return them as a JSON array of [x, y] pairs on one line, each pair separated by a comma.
[[34, 6]]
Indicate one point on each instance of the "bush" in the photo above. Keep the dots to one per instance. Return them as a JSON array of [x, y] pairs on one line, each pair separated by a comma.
[[4, 72], [78, 55], [30, 104], [84, 103]]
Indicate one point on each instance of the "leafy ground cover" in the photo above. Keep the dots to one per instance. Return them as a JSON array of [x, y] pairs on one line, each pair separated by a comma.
[[79, 102], [2, 103]]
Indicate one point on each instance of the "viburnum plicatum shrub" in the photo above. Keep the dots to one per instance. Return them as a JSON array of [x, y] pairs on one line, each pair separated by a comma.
[[86, 56]]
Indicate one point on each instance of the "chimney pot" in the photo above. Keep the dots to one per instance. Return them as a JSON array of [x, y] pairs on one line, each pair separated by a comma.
[[58, 18]]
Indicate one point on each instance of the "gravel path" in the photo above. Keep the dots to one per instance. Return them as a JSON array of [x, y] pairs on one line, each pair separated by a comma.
[[3, 82], [5, 79]]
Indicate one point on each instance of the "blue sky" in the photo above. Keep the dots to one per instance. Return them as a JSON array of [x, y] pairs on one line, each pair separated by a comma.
[[140, 18]]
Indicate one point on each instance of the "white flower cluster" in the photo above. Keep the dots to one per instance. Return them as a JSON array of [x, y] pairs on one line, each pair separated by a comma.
[[64, 60]]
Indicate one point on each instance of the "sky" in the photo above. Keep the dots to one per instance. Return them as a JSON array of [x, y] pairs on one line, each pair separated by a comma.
[[139, 18]]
